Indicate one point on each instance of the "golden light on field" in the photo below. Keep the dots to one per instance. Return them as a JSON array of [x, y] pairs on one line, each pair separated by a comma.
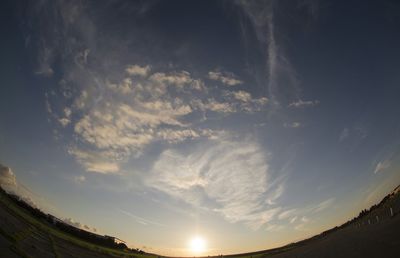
[[197, 245]]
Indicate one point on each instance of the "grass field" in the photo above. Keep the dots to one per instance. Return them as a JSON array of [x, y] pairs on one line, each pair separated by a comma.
[[23, 235]]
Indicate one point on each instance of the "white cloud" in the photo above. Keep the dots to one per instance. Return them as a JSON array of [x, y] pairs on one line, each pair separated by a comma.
[[174, 136], [292, 125], [271, 199], [96, 161], [222, 107], [126, 117], [274, 227], [257, 220], [301, 227], [73, 223], [79, 179], [9, 182], [303, 215], [293, 220], [64, 121], [344, 134], [29, 201], [117, 108], [246, 100], [242, 96], [81, 57], [304, 219], [323, 205], [381, 166], [261, 101], [301, 103], [138, 70], [227, 177], [199, 85], [282, 80], [358, 133], [178, 79], [286, 214], [141, 220], [7, 177], [79, 225], [228, 79], [45, 60], [67, 112]]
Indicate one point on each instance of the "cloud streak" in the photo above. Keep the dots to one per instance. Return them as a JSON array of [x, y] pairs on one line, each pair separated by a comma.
[[381, 166], [228, 178], [302, 104], [141, 220], [282, 80], [228, 79]]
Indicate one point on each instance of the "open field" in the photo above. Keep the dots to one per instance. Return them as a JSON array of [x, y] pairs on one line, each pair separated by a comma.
[[23, 235]]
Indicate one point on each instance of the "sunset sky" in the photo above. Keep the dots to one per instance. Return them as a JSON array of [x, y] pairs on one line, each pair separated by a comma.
[[237, 125]]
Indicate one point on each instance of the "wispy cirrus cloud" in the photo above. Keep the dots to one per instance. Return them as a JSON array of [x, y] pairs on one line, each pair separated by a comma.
[[302, 217], [344, 134], [278, 68], [323, 205], [287, 213], [138, 70], [228, 178], [304, 103], [96, 161], [293, 125], [79, 179], [226, 78], [141, 220], [382, 166], [263, 19], [275, 194]]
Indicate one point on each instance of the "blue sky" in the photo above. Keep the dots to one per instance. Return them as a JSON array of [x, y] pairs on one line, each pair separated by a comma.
[[250, 123]]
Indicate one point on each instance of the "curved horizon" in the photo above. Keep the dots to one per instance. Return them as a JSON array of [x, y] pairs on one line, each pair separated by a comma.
[[200, 127]]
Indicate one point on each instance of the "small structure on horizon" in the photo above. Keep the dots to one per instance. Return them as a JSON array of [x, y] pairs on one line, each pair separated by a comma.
[[114, 239]]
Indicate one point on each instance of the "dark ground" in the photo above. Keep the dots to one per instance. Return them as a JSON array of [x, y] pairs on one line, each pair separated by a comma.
[[377, 240]]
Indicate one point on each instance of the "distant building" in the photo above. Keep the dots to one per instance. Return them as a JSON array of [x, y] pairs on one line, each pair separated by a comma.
[[54, 220], [114, 239]]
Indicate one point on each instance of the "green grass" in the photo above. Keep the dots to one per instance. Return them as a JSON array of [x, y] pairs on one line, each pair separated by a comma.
[[53, 246], [23, 234], [13, 243], [9, 237], [18, 251], [39, 225]]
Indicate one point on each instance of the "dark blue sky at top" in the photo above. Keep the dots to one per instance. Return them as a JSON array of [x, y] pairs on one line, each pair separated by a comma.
[[344, 56], [348, 59]]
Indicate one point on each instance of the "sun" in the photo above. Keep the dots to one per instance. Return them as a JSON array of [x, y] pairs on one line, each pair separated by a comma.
[[197, 245]]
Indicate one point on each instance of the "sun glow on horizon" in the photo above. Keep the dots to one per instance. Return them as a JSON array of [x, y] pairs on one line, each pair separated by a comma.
[[197, 245]]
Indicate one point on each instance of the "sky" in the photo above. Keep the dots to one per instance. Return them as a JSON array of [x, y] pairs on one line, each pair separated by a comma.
[[246, 124]]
